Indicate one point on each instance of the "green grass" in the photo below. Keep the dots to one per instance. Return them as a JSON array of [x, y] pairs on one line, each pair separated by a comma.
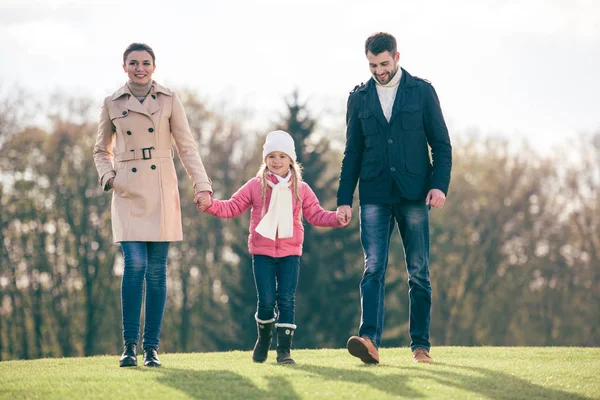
[[458, 372]]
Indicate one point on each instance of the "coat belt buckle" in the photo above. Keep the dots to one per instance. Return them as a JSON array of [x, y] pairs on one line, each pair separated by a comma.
[[149, 150]]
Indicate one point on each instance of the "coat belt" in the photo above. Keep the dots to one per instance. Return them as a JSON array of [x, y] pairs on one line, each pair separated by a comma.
[[146, 153]]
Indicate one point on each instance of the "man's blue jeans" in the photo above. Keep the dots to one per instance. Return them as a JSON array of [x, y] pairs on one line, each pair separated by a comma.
[[276, 281], [376, 226], [144, 261]]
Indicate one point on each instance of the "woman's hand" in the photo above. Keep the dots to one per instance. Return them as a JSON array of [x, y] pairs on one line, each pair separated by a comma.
[[203, 200]]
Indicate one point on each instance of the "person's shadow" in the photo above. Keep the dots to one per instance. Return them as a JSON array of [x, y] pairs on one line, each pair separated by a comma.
[[488, 383], [225, 384], [222, 384], [496, 385]]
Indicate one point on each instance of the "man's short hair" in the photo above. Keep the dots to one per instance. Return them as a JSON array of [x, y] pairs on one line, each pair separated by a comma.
[[379, 42]]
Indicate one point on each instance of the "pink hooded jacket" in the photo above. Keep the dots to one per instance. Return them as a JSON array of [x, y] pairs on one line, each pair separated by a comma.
[[249, 195]]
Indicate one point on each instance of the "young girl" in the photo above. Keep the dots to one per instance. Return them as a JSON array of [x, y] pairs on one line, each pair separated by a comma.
[[279, 198]]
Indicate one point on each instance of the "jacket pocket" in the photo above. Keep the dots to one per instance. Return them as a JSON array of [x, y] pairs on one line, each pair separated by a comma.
[[417, 159], [412, 118], [367, 123], [120, 182], [370, 168]]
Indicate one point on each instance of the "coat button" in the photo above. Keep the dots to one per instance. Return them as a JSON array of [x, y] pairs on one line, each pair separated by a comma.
[[393, 169], [154, 97], [124, 113], [129, 132], [133, 169], [153, 167], [150, 130], [390, 141]]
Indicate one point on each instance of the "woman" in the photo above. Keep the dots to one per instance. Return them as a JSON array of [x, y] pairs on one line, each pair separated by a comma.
[[134, 157]]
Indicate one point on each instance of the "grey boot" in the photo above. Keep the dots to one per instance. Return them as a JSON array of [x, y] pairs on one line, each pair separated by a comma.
[[284, 345], [263, 342]]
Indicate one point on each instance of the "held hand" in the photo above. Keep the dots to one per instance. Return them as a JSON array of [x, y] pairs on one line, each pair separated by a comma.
[[205, 203], [344, 215], [435, 198], [203, 200], [198, 196]]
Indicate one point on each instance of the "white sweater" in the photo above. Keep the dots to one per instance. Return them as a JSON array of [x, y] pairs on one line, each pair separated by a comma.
[[387, 93]]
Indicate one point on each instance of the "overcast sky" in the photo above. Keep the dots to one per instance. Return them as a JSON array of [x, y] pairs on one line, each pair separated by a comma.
[[518, 68]]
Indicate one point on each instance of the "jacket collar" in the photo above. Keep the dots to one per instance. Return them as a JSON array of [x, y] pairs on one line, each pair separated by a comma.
[[407, 82], [156, 88], [151, 104]]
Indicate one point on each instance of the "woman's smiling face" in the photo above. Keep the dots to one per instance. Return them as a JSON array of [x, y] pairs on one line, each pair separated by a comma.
[[139, 67]]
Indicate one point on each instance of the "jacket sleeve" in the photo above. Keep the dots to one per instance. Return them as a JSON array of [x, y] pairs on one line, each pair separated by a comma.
[[314, 213], [103, 155], [351, 162], [186, 147], [239, 202], [438, 139]]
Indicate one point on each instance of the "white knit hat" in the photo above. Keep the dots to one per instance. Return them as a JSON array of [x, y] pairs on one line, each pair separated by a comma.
[[279, 141]]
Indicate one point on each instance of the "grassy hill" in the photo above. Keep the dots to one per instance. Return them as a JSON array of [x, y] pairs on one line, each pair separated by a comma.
[[458, 372]]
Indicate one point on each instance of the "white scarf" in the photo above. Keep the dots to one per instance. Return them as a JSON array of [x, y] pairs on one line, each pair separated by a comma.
[[279, 219]]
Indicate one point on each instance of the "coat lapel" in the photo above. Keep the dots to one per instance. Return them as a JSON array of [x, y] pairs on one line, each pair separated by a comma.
[[373, 104], [134, 105], [152, 104], [404, 89]]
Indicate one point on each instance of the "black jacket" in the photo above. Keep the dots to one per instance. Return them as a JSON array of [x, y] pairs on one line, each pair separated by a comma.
[[392, 159]]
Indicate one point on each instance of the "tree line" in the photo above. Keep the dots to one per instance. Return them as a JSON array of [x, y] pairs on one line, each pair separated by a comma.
[[514, 252]]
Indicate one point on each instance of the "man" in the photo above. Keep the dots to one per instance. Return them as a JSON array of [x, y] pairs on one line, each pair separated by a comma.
[[392, 120]]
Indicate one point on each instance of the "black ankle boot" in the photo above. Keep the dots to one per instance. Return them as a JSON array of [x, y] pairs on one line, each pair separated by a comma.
[[263, 342], [129, 356], [151, 357], [284, 345]]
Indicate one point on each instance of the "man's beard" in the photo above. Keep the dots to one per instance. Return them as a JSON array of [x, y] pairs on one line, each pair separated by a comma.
[[391, 76]]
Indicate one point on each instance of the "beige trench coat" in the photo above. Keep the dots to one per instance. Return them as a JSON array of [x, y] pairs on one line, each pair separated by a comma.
[[134, 145]]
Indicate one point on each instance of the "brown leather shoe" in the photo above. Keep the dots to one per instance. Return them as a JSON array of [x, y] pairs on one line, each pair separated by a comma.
[[363, 348], [422, 356]]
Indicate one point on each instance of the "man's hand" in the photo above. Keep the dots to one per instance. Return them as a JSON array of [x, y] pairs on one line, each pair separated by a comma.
[[435, 198], [202, 200], [343, 215], [110, 183]]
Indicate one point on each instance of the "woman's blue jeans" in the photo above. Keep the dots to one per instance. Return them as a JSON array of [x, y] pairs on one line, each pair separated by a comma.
[[144, 261]]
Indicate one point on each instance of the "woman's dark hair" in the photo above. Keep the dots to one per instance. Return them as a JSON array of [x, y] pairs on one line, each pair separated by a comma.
[[379, 42], [138, 47]]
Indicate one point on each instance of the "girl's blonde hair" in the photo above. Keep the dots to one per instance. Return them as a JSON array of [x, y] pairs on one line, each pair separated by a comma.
[[296, 178]]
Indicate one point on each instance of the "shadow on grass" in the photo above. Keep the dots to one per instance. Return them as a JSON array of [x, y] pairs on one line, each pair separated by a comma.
[[222, 384], [395, 384], [494, 384], [488, 383]]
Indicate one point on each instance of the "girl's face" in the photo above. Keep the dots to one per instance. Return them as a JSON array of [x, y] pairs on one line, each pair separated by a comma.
[[278, 163], [139, 66]]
